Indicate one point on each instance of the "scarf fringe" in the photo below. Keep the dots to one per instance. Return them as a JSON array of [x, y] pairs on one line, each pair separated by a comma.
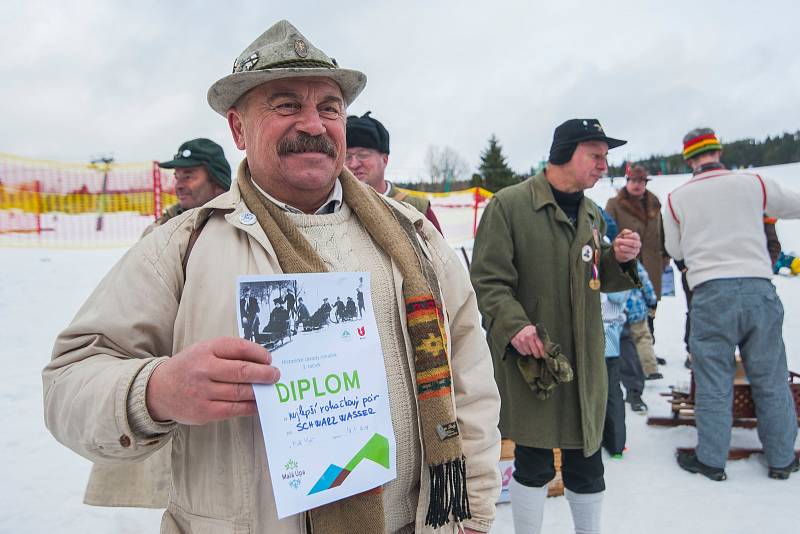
[[448, 493]]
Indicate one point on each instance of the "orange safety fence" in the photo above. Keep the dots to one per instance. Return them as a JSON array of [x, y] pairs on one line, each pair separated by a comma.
[[458, 212], [58, 204], [50, 203]]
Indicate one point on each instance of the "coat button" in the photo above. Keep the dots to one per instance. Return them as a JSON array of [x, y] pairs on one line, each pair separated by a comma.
[[125, 441]]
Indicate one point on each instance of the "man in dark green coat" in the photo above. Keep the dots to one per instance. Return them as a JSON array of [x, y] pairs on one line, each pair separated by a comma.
[[539, 262]]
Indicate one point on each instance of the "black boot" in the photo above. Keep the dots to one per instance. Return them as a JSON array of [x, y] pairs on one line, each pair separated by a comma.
[[688, 461], [782, 473], [637, 404]]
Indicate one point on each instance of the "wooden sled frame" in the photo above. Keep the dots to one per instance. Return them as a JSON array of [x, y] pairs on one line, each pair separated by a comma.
[[743, 409]]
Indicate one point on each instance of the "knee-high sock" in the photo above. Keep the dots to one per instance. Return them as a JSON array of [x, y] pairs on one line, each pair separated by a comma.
[[527, 507], [586, 510]]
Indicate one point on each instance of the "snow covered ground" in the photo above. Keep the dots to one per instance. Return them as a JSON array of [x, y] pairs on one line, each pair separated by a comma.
[[42, 488]]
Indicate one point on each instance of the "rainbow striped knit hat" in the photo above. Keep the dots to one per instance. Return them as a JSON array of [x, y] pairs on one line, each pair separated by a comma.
[[698, 141]]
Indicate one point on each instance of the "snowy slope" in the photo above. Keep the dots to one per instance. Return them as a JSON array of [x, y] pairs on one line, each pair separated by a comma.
[[43, 482]]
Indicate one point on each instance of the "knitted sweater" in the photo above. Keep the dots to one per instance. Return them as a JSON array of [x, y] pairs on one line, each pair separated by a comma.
[[344, 245], [714, 223]]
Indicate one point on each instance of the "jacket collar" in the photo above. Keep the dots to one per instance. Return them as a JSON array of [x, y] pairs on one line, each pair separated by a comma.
[[543, 195], [711, 166], [237, 213]]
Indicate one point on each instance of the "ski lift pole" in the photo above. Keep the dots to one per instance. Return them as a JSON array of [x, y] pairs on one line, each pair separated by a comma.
[[156, 191], [475, 211], [101, 205], [38, 197]]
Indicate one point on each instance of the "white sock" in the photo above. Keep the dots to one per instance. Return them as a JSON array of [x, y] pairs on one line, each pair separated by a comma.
[[527, 507], [586, 510]]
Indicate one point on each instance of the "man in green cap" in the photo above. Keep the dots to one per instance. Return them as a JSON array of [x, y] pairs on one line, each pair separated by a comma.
[[155, 355], [201, 173], [539, 264]]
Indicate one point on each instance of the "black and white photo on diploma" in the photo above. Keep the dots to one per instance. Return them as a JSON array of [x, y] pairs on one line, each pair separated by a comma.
[[273, 312]]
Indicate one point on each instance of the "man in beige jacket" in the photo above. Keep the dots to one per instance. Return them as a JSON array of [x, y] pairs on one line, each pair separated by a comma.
[[153, 356]]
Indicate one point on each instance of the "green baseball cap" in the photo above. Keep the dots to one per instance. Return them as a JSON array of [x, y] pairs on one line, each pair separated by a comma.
[[206, 152]]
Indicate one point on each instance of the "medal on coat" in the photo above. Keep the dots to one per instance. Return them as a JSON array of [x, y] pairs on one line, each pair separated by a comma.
[[594, 283]]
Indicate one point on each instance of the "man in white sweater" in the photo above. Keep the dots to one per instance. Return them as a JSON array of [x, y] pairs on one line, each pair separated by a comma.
[[713, 225]]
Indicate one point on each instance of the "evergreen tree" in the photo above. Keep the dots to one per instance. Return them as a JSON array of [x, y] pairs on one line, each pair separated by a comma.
[[494, 168]]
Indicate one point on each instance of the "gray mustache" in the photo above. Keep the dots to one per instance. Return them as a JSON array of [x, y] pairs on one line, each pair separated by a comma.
[[307, 143]]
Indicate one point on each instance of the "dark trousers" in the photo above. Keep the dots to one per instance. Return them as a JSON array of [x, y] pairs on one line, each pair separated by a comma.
[[614, 428], [630, 368], [534, 467], [688, 293], [248, 329]]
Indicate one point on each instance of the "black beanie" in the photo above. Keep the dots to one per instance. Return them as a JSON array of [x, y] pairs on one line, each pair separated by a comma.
[[366, 132]]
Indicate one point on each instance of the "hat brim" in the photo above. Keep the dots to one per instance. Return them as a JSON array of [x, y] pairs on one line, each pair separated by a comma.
[[181, 163], [610, 141], [614, 143], [226, 91]]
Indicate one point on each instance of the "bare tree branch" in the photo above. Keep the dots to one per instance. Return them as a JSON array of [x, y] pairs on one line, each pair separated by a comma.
[[444, 163]]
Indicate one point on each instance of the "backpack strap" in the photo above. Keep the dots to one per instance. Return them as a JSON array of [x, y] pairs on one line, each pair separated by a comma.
[[192, 240]]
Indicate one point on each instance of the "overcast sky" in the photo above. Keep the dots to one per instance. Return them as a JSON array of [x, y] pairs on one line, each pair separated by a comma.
[[82, 78]]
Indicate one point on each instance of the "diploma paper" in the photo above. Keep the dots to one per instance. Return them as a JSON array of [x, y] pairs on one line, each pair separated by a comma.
[[327, 427]]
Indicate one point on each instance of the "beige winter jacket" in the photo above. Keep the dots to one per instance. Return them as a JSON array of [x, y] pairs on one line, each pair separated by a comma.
[[143, 310]]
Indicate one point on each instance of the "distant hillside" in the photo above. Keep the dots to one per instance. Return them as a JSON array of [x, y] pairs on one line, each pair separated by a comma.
[[743, 153]]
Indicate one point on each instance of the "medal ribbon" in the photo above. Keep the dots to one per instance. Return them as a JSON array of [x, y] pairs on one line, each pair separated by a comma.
[[595, 282]]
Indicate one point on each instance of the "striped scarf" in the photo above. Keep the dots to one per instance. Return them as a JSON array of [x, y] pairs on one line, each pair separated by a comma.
[[442, 448]]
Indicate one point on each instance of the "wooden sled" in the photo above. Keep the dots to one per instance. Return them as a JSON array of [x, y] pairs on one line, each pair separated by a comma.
[[743, 409]]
